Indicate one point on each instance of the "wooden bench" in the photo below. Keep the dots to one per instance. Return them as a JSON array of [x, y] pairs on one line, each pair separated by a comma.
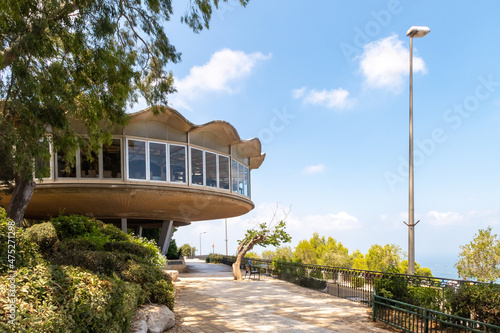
[[251, 271]]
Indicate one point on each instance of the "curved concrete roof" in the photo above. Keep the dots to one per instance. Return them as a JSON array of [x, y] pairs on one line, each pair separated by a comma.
[[222, 129]]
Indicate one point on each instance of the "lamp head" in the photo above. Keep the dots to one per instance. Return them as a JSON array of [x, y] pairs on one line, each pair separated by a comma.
[[417, 31]]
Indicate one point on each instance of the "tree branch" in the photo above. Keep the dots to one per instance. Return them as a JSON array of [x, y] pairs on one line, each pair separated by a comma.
[[10, 53]]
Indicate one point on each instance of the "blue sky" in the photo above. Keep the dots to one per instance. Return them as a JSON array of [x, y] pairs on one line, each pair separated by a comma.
[[324, 85]]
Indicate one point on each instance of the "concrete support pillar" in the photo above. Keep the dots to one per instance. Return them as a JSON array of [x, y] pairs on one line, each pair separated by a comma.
[[138, 230], [124, 225], [167, 229]]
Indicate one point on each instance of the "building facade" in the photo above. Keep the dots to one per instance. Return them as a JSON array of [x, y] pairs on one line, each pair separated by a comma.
[[158, 171]]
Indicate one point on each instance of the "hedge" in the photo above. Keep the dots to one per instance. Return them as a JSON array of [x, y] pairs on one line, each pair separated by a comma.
[[76, 274]]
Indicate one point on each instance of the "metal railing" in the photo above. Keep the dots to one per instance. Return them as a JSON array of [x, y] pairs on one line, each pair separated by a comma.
[[415, 319], [356, 284]]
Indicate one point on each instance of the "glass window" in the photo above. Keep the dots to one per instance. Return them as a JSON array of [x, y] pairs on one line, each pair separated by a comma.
[[211, 169], [241, 175], [234, 175], [89, 164], [246, 181], [224, 172], [63, 169], [177, 163], [136, 159], [157, 161], [42, 167], [112, 159], [196, 166]]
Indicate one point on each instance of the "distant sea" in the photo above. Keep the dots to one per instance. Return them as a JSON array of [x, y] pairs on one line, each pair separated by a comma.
[[441, 265]]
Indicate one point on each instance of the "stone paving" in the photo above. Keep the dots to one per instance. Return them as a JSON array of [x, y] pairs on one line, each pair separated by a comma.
[[209, 300]]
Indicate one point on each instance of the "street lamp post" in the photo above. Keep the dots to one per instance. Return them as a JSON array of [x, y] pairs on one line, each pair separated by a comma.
[[204, 232], [417, 32]]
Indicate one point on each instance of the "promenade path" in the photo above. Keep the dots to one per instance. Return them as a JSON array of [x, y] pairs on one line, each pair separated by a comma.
[[209, 300]]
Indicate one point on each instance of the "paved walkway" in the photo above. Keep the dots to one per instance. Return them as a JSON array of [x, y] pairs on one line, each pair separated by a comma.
[[209, 300]]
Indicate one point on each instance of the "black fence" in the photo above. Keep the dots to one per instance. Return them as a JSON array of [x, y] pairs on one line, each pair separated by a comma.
[[358, 285], [411, 318]]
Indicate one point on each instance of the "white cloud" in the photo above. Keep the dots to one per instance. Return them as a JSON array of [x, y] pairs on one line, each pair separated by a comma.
[[314, 169], [220, 74], [298, 93], [439, 219], [385, 63], [332, 99], [331, 222]]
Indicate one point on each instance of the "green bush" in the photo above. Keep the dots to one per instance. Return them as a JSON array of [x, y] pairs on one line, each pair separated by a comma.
[[156, 287], [155, 258], [81, 244], [72, 226], [141, 274], [92, 281], [113, 233], [127, 247], [312, 283], [23, 251], [160, 292], [67, 299], [172, 252], [44, 235], [392, 286], [214, 258], [102, 262], [427, 297], [478, 302]]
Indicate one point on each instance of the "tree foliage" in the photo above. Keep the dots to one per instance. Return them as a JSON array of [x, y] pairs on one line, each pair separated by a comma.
[[187, 250], [265, 234], [84, 60], [480, 259], [321, 251], [385, 258]]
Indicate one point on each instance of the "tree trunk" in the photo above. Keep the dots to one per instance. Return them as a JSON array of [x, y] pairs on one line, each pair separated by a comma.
[[237, 270], [23, 190]]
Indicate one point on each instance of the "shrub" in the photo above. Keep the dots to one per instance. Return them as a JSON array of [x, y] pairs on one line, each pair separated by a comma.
[[92, 282], [312, 283], [160, 292], [127, 247], [392, 286], [79, 244], [26, 251], [156, 288], [214, 258], [426, 297], [44, 235], [478, 302], [172, 252], [68, 299], [156, 258], [73, 226], [113, 233], [102, 262], [141, 274]]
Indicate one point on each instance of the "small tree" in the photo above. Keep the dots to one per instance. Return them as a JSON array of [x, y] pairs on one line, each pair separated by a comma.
[[265, 234], [187, 250], [480, 259]]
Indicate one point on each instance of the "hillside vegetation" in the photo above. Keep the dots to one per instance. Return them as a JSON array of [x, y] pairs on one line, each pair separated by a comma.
[[76, 274]]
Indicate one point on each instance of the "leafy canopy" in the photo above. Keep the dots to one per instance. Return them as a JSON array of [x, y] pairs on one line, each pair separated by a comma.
[[480, 259], [265, 235], [83, 60]]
